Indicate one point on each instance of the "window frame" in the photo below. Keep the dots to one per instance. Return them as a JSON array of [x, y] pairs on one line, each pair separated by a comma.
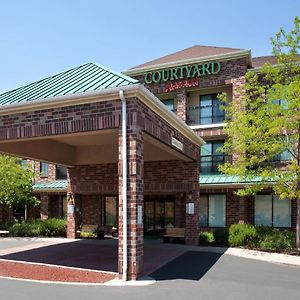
[[214, 158], [272, 212], [56, 173], [42, 173], [215, 103], [207, 212], [169, 100]]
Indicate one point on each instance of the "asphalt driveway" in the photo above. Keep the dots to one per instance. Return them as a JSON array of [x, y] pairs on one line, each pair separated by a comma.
[[192, 275]]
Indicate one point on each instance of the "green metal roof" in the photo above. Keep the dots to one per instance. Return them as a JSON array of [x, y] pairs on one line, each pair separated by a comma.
[[87, 77], [225, 179], [53, 185]]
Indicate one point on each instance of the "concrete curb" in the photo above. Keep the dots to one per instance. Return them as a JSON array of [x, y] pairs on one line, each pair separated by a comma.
[[265, 256]]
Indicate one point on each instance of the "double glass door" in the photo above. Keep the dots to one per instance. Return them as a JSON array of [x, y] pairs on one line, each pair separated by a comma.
[[159, 214]]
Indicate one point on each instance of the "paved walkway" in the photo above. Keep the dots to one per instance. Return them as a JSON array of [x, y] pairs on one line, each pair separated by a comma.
[[58, 256], [95, 261]]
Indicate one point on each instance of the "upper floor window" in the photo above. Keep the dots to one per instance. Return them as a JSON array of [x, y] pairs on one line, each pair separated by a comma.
[[44, 169], [61, 172], [169, 103], [211, 157], [210, 111]]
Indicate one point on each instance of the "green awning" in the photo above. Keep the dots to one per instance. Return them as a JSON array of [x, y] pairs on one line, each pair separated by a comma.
[[226, 179], [52, 185]]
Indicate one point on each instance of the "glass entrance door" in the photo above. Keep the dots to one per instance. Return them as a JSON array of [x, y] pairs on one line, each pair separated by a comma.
[[159, 214]]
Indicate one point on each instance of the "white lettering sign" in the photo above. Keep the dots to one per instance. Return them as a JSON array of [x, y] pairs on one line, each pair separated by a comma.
[[177, 144]]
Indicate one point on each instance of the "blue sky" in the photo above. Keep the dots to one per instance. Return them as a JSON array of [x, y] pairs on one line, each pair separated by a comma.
[[41, 38]]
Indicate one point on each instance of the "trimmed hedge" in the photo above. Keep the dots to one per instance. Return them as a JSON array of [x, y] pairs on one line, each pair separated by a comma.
[[46, 228]]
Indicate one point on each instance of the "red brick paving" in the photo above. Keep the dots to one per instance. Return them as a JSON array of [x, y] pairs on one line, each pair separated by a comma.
[[49, 273]]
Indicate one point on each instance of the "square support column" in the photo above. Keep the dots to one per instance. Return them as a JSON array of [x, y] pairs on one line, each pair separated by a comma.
[[45, 202], [193, 208], [181, 104], [71, 216], [135, 203]]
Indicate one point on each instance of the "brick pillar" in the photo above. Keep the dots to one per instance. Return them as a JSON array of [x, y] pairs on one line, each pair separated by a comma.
[[181, 104], [193, 199], [71, 224], [242, 210], [238, 90], [135, 202], [45, 201], [180, 210]]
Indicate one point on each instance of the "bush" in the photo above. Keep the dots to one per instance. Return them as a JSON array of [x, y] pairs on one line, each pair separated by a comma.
[[47, 228], [53, 227], [241, 234], [23, 230], [277, 240], [221, 236], [206, 237]]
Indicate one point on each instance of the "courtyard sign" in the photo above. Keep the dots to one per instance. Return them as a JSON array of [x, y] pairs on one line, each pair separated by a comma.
[[183, 72]]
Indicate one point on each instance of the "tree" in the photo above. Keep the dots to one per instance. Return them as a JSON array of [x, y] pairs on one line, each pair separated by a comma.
[[263, 127], [16, 183]]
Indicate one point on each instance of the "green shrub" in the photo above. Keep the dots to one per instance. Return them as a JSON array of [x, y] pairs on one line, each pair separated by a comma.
[[8, 224], [206, 237], [277, 240], [23, 230], [53, 227], [48, 228], [241, 234], [221, 236]]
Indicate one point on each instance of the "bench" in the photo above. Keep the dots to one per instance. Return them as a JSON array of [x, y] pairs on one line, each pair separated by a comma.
[[4, 233], [92, 230], [174, 234]]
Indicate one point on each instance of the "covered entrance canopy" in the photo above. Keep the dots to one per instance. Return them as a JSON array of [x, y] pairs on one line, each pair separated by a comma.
[[75, 119]]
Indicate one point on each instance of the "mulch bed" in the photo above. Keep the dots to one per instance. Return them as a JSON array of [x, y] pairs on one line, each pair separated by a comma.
[[48, 273]]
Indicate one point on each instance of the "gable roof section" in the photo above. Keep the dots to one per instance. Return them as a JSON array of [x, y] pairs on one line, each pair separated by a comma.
[[87, 77], [196, 51]]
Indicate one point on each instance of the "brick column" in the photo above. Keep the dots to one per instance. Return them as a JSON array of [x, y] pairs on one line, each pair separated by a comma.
[[193, 197], [135, 202], [71, 224], [45, 206], [181, 104], [238, 90]]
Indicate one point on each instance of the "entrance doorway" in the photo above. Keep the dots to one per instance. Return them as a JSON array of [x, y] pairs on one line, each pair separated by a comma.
[[159, 214]]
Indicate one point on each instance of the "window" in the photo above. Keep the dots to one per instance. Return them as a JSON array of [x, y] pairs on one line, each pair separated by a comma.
[[111, 208], [212, 210], [210, 157], [44, 169], [169, 103], [272, 211], [61, 172], [210, 112]]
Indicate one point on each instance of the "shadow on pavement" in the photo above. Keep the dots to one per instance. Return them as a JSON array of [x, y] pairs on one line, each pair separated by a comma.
[[191, 265], [80, 254]]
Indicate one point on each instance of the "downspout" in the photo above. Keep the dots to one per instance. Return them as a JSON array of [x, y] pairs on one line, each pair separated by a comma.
[[124, 183]]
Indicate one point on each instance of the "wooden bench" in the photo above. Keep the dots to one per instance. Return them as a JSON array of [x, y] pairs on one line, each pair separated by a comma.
[[4, 233], [174, 234], [90, 228]]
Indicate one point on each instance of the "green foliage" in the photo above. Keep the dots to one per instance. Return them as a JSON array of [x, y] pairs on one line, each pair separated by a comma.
[[24, 230], [260, 129], [264, 123], [15, 183], [206, 237], [277, 240], [221, 236], [48, 228], [241, 234]]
